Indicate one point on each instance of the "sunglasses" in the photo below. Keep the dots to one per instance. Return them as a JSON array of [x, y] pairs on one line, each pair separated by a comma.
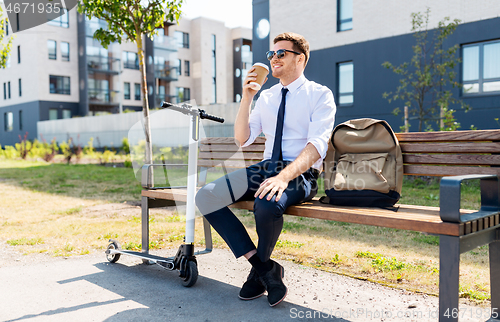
[[280, 53]]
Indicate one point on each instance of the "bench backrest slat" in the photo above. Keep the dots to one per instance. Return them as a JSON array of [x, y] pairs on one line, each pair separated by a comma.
[[446, 136], [424, 153]]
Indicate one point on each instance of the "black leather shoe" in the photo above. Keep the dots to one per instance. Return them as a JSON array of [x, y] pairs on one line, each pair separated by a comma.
[[253, 287], [272, 280]]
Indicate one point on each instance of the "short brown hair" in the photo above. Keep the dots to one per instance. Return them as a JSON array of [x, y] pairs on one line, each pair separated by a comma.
[[300, 44]]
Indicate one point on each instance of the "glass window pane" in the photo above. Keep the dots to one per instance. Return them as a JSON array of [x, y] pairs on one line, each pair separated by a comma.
[[52, 48], [66, 114], [491, 66], [65, 51], [346, 99], [9, 121], [471, 63], [471, 88], [491, 87], [52, 114], [346, 79], [345, 9], [345, 25]]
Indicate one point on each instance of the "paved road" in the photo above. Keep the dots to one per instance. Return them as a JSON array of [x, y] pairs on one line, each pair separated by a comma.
[[88, 288]]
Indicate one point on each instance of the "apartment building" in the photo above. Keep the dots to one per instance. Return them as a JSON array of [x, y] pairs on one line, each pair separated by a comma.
[[351, 39], [58, 71]]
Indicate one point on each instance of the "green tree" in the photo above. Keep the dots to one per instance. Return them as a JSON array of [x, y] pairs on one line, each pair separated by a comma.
[[5, 43], [424, 86], [131, 20]]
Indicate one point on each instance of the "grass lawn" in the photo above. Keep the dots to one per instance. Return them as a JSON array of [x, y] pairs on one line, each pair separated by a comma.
[[65, 210]]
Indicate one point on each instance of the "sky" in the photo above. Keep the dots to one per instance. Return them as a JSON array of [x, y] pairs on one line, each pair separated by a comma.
[[234, 13]]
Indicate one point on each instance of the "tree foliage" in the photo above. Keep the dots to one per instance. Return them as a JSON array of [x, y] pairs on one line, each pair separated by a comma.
[[5, 43], [425, 80], [130, 20]]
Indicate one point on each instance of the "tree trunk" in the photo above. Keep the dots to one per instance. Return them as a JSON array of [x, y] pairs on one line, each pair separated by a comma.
[[145, 105]]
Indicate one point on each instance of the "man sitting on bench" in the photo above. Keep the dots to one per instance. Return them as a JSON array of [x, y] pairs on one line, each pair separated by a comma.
[[296, 143]]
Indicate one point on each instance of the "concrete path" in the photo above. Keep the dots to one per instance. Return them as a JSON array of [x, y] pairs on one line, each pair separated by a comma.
[[88, 288]]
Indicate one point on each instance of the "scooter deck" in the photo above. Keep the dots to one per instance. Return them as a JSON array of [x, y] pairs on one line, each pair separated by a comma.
[[144, 255]]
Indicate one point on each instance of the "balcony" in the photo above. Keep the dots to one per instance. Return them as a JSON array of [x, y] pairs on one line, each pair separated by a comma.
[[103, 96], [166, 72], [103, 64], [165, 42]]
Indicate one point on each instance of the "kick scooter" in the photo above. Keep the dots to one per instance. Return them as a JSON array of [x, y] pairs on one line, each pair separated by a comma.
[[185, 259]]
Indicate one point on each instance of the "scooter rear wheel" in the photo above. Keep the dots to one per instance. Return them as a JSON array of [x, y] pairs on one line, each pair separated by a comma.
[[113, 258]]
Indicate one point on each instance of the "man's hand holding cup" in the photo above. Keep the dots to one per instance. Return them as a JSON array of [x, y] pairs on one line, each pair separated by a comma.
[[256, 77]]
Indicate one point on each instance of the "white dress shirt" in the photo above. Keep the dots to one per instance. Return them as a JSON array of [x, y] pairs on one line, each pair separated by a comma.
[[309, 118]]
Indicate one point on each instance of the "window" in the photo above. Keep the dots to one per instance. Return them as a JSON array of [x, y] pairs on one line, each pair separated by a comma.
[[59, 85], [66, 114], [8, 90], [20, 120], [179, 67], [481, 68], [344, 15], [53, 114], [8, 121], [126, 91], [137, 88], [130, 60], [17, 21], [4, 91], [52, 47], [187, 70], [214, 71], [64, 51], [182, 39], [20, 88], [61, 21], [346, 83], [183, 94], [18, 54], [6, 27]]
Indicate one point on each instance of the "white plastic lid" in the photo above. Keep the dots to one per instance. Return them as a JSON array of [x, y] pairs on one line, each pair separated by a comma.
[[262, 65]]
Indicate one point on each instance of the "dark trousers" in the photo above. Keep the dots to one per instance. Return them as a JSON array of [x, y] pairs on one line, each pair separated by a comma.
[[212, 200]]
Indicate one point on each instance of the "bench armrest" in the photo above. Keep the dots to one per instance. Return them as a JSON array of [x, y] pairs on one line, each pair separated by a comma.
[[147, 176], [449, 198]]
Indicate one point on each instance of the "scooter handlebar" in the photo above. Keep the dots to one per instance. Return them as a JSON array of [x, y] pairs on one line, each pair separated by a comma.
[[204, 115], [188, 110]]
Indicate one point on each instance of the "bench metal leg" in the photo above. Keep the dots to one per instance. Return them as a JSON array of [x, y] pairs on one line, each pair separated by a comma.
[[449, 269], [145, 224], [494, 280]]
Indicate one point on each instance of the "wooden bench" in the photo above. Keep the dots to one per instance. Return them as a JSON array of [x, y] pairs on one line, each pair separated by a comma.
[[455, 156]]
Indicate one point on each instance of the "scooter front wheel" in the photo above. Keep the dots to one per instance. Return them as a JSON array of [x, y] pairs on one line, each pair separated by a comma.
[[191, 274]]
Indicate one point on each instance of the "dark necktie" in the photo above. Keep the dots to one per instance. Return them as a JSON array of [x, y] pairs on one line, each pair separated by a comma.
[[277, 152]]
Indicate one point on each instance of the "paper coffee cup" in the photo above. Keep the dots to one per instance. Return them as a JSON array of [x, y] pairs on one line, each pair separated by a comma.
[[262, 70]]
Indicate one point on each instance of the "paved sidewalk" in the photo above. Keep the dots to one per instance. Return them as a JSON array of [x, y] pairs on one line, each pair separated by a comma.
[[88, 288]]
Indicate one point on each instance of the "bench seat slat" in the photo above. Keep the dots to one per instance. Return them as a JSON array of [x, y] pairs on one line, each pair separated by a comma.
[[472, 147], [457, 159], [425, 220]]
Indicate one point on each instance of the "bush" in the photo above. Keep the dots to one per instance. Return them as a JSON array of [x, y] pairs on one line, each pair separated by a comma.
[[24, 147], [89, 150], [70, 150], [125, 146], [107, 156], [10, 152]]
